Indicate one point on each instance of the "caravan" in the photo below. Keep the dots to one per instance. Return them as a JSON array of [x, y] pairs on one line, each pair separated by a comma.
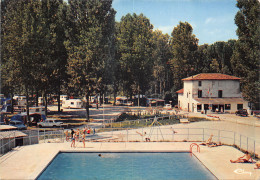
[[21, 100], [72, 103]]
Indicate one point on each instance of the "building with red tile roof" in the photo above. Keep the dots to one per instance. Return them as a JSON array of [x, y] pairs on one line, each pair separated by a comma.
[[210, 76], [211, 92]]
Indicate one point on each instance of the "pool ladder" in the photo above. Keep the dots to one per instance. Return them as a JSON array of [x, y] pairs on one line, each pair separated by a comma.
[[192, 145]]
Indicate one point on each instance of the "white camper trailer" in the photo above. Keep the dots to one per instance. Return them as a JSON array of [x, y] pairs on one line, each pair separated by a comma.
[[63, 98], [40, 100], [72, 103], [21, 100]]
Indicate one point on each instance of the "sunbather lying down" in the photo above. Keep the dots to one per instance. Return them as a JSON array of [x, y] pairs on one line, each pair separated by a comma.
[[257, 164], [244, 159], [213, 144], [209, 141]]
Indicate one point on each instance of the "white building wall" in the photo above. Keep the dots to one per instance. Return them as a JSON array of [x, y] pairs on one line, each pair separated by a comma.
[[230, 89]]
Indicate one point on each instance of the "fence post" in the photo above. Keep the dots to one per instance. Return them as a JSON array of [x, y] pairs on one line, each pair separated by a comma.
[[30, 138], [38, 136], [240, 142], [218, 135], [254, 149], [188, 134], [203, 134], [234, 138], [247, 143], [9, 142], [142, 133], [157, 134]]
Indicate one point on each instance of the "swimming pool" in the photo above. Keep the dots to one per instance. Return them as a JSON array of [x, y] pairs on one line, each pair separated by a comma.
[[132, 166]]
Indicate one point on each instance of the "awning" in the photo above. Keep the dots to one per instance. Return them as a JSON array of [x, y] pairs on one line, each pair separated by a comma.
[[220, 100]]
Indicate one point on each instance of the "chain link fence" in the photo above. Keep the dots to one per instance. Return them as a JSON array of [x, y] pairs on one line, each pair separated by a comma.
[[151, 134]]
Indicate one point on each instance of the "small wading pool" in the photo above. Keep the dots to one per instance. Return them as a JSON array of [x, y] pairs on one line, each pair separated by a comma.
[[126, 166]]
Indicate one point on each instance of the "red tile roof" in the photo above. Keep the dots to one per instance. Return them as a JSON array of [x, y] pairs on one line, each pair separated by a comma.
[[210, 76], [180, 91]]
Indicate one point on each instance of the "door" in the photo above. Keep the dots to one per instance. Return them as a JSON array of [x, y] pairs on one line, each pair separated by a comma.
[[221, 108]]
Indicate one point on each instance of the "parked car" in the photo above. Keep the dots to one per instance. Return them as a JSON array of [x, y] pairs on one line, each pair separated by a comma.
[[49, 123], [242, 112], [18, 124]]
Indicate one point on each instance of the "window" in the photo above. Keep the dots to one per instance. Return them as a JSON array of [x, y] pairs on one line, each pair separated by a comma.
[[199, 93], [220, 93], [37, 110], [198, 107], [206, 107], [199, 83], [72, 103], [227, 106], [239, 106]]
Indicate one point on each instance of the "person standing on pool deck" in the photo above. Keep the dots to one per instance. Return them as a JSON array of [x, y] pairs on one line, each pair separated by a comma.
[[73, 140], [72, 132], [77, 135], [88, 131], [67, 135], [83, 139]]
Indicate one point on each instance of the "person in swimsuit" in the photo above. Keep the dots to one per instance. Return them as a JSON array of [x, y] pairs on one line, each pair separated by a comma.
[[73, 140], [244, 159], [67, 135], [83, 139], [77, 133], [72, 132], [209, 141]]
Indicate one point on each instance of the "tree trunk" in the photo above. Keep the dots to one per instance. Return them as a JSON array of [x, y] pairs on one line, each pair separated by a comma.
[[28, 121], [58, 99], [46, 103], [87, 108], [138, 95], [97, 102], [37, 97], [12, 103], [114, 103]]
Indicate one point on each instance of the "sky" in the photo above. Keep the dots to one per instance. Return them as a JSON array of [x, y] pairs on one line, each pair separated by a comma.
[[212, 20]]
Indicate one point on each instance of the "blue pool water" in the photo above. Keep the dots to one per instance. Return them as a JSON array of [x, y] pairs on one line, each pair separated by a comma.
[[128, 166]]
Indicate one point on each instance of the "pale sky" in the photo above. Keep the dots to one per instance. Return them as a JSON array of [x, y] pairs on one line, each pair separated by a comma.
[[212, 20]]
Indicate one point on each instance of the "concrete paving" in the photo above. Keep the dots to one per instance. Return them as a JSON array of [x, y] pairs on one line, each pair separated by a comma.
[[28, 162]]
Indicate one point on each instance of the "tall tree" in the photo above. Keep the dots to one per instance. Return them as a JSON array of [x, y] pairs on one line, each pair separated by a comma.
[[53, 57], [245, 60], [184, 46], [20, 22], [135, 46], [90, 24], [161, 70]]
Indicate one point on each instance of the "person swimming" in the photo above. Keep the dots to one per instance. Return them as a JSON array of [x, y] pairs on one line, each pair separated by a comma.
[[108, 156]]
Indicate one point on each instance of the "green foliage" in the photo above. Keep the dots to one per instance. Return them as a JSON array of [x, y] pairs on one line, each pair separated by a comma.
[[161, 81], [245, 59], [184, 46], [134, 53]]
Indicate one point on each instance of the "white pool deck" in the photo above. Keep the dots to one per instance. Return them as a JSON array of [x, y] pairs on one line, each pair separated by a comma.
[[28, 162]]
